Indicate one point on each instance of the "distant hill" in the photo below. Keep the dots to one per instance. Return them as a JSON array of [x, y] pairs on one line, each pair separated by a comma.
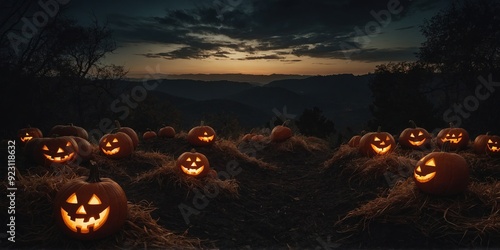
[[253, 79], [344, 99]]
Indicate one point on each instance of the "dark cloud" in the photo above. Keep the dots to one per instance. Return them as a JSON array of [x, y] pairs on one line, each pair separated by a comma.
[[406, 28], [384, 55], [265, 57], [276, 28]]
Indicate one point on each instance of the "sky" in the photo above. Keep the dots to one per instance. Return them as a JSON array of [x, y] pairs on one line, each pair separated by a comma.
[[311, 37]]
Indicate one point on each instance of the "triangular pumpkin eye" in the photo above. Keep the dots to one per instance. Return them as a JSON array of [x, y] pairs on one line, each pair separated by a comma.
[[387, 138], [198, 159], [431, 163], [420, 133], [60, 150], [95, 200], [68, 144], [376, 139], [419, 169], [490, 141], [412, 135], [115, 140], [460, 135], [188, 159], [45, 148], [72, 199]]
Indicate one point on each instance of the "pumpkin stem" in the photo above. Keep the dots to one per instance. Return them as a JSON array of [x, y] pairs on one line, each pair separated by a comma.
[[412, 124], [94, 173], [285, 122], [445, 147], [379, 129], [202, 123], [193, 150], [117, 124], [451, 124]]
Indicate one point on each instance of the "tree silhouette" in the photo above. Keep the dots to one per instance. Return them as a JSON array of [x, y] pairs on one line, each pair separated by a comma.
[[397, 90], [312, 122]]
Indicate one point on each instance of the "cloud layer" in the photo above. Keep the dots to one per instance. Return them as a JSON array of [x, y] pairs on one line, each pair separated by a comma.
[[285, 30]]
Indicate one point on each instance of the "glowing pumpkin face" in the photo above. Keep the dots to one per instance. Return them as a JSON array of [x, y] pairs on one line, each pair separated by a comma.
[[441, 173], [117, 145], [414, 137], [27, 134], [487, 144], [90, 208], [59, 150], [376, 143], [201, 136], [458, 138], [193, 164], [84, 217]]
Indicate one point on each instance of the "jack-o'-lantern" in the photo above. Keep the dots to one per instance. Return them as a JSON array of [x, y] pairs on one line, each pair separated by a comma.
[[89, 208], [458, 138], [116, 145], [201, 135], [166, 132], [58, 150], [280, 133], [193, 164], [69, 130], [129, 131], [376, 143], [148, 135], [415, 137], [487, 144], [26, 134], [441, 173]]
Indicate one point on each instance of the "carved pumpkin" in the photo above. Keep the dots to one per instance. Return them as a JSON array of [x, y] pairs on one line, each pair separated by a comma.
[[201, 135], [280, 133], [49, 150], [458, 138], [376, 143], [415, 137], [193, 164], [116, 145], [149, 135], [129, 131], [487, 144], [69, 130], [166, 132], [441, 173], [26, 134], [89, 208]]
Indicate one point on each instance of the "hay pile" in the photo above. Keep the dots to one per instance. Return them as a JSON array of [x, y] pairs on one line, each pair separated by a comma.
[[35, 221], [385, 170], [168, 177], [470, 219]]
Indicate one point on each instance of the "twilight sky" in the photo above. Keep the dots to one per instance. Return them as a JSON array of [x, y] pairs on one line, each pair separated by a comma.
[[311, 37]]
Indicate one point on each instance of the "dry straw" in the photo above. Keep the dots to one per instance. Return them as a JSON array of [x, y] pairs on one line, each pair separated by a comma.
[[469, 219]]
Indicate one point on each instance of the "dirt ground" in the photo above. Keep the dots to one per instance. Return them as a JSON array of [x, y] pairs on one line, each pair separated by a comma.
[[294, 195]]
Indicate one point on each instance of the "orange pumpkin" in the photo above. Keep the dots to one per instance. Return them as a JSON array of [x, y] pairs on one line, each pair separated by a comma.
[[280, 133], [193, 164], [116, 145], [201, 135], [376, 143], [166, 132]]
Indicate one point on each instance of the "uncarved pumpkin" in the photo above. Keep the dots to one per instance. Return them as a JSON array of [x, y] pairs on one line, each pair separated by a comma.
[[90, 208], [148, 135], [166, 132], [69, 130], [129, 131], [280, 133]]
